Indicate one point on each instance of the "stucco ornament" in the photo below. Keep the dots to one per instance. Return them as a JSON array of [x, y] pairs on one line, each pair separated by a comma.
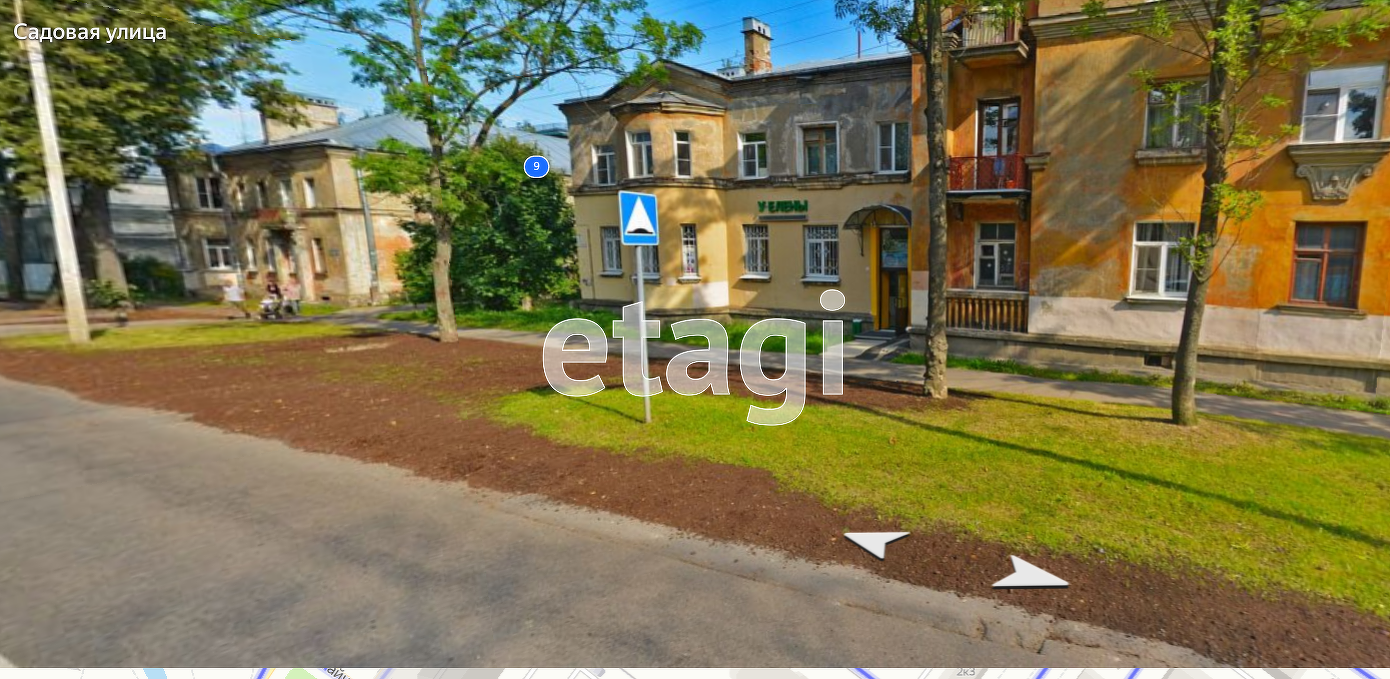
[[1333, 170]]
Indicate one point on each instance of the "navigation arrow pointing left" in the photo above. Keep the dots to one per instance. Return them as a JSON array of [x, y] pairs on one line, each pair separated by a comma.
[[874, 543]]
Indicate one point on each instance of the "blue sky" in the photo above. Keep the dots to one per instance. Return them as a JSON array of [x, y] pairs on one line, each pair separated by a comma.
[[802, 30]]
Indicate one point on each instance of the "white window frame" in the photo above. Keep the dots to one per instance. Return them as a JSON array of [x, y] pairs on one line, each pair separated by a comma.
[[892, 147], [1166, 255], [262, 194], [1343, 96], [252, 261], [981, 241], [610, 251], [690, 253], [809, 243], [651, 263], [223, 247], [801, 148], [761, 171], [311, 196], [316, 253], [209, 190], [1174, 130], [689, 153], [646, 157], [605, 160], [286, 192], [757, 257]]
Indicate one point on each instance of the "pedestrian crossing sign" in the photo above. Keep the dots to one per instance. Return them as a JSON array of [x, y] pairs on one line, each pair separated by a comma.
[[637, 212]]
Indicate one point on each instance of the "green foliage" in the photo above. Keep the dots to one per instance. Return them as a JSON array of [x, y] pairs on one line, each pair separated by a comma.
[[107, 295], [156, 277], [513, 236]]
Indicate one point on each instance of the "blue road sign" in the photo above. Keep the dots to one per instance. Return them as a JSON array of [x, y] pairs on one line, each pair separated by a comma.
[[637, 212], [536, 167]]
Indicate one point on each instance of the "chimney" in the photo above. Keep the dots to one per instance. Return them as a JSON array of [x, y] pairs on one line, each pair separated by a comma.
[[757, 46], [318, 113]]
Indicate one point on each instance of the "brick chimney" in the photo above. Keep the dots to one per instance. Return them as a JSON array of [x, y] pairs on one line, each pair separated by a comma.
[[318, 112], [757, 46]]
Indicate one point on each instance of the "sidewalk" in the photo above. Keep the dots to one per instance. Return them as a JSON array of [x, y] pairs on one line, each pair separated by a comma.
[[1341, 421]]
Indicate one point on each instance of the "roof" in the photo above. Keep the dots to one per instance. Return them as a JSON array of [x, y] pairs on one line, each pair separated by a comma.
[[368, 133]]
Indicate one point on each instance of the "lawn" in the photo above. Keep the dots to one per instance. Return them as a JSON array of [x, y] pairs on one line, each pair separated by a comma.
[[1267, 506], [202, 335], [1337, 401], [543, 318]]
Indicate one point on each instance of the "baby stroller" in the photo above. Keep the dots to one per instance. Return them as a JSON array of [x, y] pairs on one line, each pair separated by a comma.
[[272, 307]]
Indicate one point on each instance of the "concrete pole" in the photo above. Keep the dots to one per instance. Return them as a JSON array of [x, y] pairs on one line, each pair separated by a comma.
[[74, 304]]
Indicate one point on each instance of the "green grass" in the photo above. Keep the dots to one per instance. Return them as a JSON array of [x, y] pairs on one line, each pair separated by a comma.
[[543, 318], [318, 309], [158, 337], [1267, 506], [1336, 401]]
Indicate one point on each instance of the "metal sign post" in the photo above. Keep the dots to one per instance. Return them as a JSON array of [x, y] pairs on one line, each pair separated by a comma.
[[637, 213]]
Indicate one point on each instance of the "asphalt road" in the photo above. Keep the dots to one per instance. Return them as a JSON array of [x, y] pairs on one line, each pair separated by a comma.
[[134, 538]]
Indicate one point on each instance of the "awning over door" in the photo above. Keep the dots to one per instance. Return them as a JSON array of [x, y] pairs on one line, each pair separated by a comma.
[[879, 215]]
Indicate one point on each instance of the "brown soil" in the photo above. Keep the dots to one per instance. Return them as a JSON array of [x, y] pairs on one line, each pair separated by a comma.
[[414, 403]]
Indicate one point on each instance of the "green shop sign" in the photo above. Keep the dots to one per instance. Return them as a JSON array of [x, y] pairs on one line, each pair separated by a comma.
[[783, 206]]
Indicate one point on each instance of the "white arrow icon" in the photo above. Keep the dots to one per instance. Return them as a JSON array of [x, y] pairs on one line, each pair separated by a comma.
[[874, 543], [1028, 576]]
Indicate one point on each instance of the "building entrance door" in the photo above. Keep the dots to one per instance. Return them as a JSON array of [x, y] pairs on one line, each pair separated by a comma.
[[893, 289]]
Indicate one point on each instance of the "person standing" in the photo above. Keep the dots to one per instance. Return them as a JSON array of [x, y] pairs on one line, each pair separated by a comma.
[[234, 297], [293, 294]]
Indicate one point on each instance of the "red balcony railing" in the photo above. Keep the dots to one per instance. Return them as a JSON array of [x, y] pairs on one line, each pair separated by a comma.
[[983, 29], [987, 173]]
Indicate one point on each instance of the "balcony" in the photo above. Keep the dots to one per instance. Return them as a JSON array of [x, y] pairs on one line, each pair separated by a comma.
[[988, 174], [984, 40], [987, 310], [275, 218]]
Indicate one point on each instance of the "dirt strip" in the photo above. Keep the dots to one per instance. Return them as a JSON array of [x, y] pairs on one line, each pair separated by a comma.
[[417, 404]]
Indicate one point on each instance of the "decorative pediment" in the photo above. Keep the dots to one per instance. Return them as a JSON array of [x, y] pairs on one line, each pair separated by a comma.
[[1334, 169], [667, 101]]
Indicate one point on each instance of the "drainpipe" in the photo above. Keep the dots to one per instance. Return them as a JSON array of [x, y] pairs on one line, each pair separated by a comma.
[[228, 222], [375, 288]]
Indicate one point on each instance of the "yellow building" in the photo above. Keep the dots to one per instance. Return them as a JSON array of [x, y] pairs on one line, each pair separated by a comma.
[[1070, 189], [770, 183]]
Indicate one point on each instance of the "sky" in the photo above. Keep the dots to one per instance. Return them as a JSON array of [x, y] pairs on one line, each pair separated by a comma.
[[802, 30]]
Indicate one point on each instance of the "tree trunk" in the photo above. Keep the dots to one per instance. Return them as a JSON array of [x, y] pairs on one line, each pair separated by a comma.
[[1205, 241], [12, 235], [443, 243], [934, 376], [94, 225]]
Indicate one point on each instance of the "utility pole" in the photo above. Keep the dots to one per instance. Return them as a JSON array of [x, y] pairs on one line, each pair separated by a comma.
[[74, 304]]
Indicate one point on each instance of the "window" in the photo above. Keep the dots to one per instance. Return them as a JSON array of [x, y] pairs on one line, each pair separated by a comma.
[[311, 198], [286, 193], [1160, 267], [894, 148], [320, 264], [651, 265], [994, 256], [612, 244], [639, 156], [690, 252], [752, 153], [605, 166], [218, 253], [209, 192], [1175, 117], [818, 150], [682, 154], [1343, 104], [251, 258], [1326, 263], [262, 194], [239, 195], [822, 253], [755, 259], [998, 128]]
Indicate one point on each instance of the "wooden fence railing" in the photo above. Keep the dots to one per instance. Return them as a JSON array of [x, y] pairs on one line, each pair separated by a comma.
[[984, 312]]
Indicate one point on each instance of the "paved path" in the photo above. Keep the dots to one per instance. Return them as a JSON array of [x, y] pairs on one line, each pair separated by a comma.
[[136, 538], [1344, 421]]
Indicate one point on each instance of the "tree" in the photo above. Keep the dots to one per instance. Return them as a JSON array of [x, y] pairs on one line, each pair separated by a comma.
[[921, 26], [458, 65], [1242, 43], [122, 103], [521, 240]]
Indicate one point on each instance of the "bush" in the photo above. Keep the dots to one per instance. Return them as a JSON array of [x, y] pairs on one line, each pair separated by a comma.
[[105, 295], [154, 277]]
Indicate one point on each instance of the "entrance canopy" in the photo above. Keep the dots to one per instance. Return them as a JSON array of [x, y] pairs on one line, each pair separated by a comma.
[[878, 215]]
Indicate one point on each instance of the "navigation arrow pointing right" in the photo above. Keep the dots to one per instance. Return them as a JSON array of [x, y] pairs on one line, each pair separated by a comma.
[[1028, 576]]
